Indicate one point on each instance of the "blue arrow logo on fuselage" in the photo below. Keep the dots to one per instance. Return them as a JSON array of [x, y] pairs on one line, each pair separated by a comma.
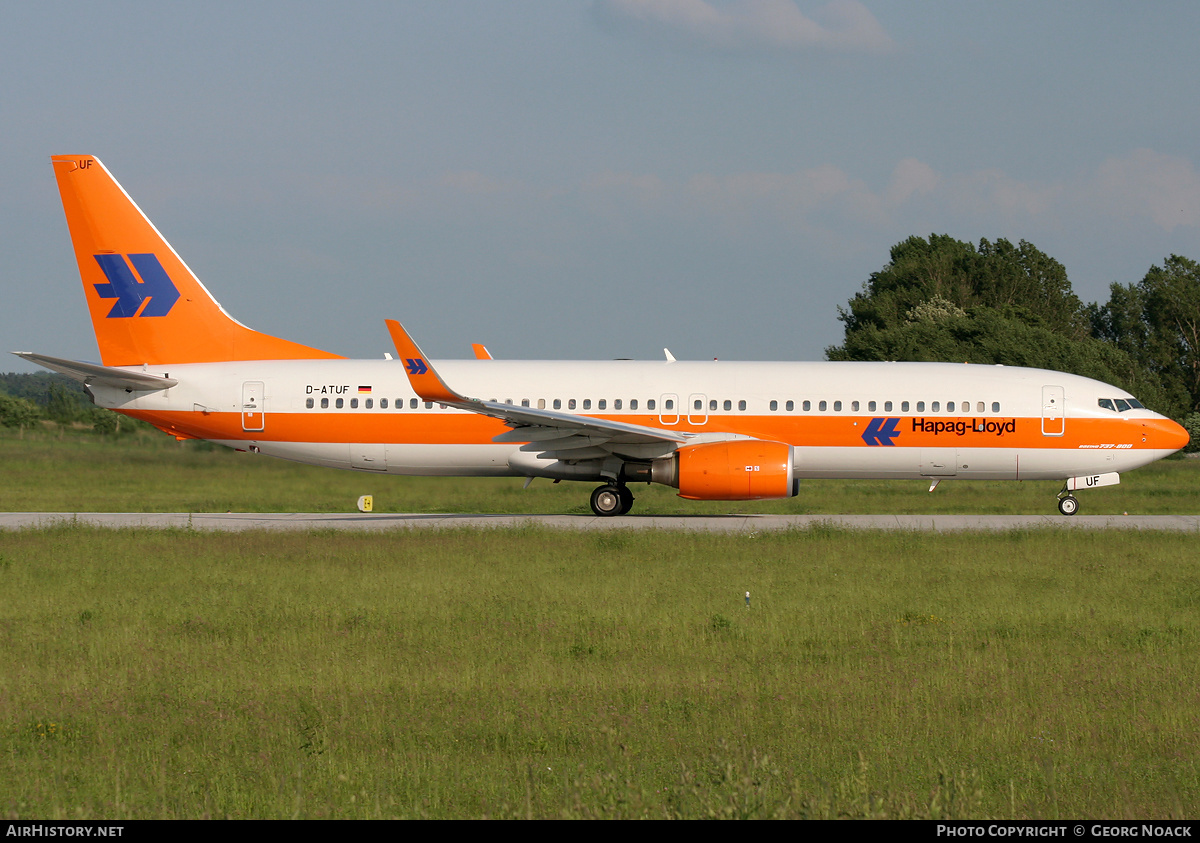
[[129, 292], [881, 432], [415, 366]]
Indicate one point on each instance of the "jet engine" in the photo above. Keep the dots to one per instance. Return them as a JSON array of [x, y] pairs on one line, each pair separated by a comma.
[[736, 470]]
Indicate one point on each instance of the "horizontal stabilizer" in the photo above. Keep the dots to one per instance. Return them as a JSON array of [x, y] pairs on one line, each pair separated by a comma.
[[93, 373]]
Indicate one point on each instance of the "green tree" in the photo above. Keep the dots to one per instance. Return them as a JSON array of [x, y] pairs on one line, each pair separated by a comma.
[[1018, 282], [946, 300], [1156, 322], [17, 412], [62, 406], [1171, 294]]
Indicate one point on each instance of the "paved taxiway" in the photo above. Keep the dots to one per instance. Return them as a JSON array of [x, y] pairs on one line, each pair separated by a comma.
[[233, 521]]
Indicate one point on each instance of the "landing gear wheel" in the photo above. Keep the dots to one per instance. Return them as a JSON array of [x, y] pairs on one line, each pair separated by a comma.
[[1068, 505], [607, 500], [626, 499]]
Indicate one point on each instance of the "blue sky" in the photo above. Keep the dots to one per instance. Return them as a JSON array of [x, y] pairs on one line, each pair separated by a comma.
[[590, 179]]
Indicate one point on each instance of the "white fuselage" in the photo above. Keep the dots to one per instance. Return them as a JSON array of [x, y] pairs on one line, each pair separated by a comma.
[[882, 420]]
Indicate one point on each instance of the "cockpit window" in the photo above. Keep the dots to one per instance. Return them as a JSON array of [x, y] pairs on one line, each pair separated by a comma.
[[1120, 405]]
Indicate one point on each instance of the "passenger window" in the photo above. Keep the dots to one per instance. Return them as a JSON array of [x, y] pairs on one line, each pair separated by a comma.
[[807, 405], [616, 403], [712, 405], [698, 405], [920, 406], [429, 404], [904, 406], [774, 406], [602, 404], [887, 406], [650, 405], [822, 406], [937, 406], [728, 405], [353, 403], [541, 403], [669, 404], [506, 401], [558, 403], [524, 402], [837, 406], [790, 406], [412, 403], [995, 406], [741, 405], [570, 403], [383, 403], [949, 406], [339, 403], [979, 407], [633, 403], [870, 407], [854, 406], [587, 404], [369, 403], [324, 403], [309, 403]]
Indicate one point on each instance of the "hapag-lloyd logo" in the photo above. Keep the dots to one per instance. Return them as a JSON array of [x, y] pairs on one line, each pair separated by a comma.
[[961, 427], [154, 289]]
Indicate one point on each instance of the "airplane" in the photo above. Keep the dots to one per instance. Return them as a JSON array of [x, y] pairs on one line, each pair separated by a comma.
[[715, 430]]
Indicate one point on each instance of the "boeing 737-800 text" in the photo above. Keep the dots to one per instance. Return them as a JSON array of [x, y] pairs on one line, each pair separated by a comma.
[[170, 355]]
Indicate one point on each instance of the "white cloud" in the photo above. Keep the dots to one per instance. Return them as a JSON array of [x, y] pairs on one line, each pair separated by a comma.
[[1165, 188], [473, 182], [910, 178], [641, 189], [749, 24], [1161, 190]]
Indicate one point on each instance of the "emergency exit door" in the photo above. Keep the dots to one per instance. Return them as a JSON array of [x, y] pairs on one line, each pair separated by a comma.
[[253, 417]]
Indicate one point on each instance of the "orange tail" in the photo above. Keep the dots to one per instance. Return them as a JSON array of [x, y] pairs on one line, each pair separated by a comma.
[[146, 305]]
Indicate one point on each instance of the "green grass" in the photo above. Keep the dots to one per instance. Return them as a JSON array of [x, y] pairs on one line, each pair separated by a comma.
[[150, 472], [558, 674]]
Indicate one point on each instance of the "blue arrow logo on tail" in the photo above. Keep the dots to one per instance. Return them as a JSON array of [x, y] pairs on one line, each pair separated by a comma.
[[881, 432], [415, 366], [129, 292]]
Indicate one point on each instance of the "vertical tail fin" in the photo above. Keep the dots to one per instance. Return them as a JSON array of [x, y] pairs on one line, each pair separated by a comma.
[[146, 305]]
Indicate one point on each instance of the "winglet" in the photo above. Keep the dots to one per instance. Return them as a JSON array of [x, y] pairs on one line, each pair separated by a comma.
[[481, 352], [426, 382]]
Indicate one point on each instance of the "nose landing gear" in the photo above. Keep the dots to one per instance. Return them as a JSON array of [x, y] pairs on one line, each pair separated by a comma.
[[1068, 504], [612, 499]]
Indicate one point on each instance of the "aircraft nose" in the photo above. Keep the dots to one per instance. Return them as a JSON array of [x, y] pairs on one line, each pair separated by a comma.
[[1164, 435]]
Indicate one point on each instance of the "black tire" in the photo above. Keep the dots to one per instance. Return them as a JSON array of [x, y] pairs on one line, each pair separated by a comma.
[[1068, 505], [606, 501], [626, 499]]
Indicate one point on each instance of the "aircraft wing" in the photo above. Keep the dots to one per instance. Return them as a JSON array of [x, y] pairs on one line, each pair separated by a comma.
[[545, 430], [93, 373]]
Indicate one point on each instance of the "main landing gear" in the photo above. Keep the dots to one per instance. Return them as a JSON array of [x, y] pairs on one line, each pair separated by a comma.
[[612, 499]]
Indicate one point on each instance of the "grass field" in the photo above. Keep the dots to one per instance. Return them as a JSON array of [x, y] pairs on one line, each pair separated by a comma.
[[150, 472], [533, 673]]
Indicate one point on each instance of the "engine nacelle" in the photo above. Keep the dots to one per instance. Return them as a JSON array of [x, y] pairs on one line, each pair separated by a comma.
[[737, 470]]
